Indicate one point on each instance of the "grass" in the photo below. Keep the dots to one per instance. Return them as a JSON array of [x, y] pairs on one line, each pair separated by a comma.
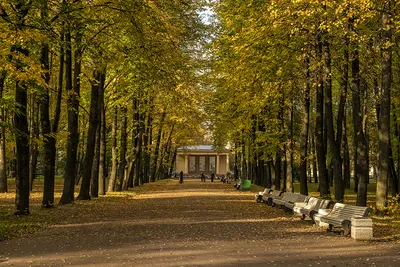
[[386, 228]]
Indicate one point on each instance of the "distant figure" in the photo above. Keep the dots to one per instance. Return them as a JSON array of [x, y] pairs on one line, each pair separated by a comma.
[[212, 176], [203, 177], [228, 177], [181, 177]]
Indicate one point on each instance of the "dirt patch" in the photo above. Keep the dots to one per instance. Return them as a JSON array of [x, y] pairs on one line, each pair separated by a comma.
[[194, 224]]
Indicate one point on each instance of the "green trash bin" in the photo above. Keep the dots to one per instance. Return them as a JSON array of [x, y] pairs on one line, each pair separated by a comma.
[[245, 185]]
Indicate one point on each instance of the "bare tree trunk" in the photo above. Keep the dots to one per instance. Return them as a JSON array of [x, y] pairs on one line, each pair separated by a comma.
[[49, 131], [34, 135], [122, 152], [395, 170], [84, 193], [73, 117], [319, 128], [139, 152], [3, 165], [314, 161], [334, 143], [114, 151], [96, 172], [146, 156], [384, 123], [94, 179], [157, 149], [304, 131], [103, 145], [22, 141], [346, 157], [362, 163], [289, 158]]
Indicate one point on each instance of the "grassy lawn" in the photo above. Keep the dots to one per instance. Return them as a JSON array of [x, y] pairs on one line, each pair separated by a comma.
[[386, 228]]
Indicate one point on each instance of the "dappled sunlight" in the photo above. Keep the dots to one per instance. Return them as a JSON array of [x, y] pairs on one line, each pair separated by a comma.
[[182, 195]]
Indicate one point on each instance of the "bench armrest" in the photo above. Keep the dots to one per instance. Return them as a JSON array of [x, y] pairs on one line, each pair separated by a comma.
[[300, 204], [324, 211]]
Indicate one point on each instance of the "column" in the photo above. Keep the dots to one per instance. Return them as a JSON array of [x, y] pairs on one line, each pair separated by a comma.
[[186, 169], [217, 165], [227, 162]]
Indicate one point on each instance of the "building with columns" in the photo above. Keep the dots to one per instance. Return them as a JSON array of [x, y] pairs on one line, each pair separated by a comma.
[[193, 160]]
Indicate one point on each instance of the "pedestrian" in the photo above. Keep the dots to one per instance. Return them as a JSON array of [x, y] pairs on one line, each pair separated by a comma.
[[181, 177], [212, 176], [203, 177]]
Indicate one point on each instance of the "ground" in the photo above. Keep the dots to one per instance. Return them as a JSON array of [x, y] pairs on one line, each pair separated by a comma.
[[194, 224]]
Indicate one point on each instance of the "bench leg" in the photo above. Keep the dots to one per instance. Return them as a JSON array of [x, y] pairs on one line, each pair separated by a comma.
[[270, 203], [312, 214], [346, 227]]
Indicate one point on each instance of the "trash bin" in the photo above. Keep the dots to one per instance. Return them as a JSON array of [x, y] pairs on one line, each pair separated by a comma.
[[246, 184]]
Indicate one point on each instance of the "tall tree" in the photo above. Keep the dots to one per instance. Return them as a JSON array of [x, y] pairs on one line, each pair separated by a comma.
[[305, 129], [73, 86], [384, 116], [21, 53], [3, 165]]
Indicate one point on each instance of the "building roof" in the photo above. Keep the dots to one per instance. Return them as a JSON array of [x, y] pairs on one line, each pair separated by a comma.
[[202, 148], [199, 147]]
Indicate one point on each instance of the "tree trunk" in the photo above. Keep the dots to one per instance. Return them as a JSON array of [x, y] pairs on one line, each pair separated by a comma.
[[34, 135], [304, 131], [165, 155], [384, 123], [122, 152], [278, 170], [362, 163], [73, 117], [135, 137], [139, 152], [156, 151], [146, 156], [346, 157], [314, 161], [173, 160], [94, 189], [319, 129], [49, 131], [392, 190], [84, 193], [289, 159], [22, 141], [3, 165], [48, 191], [334, 143], [395, 170], [243, 169], [94, 179], [114, 151], [103, 143], [236, 168]]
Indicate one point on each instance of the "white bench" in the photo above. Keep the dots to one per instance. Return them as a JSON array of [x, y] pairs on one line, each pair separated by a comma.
[[287, 197], [298, 198], [340, 216], [274, 194], [311, 207], [259, 196]]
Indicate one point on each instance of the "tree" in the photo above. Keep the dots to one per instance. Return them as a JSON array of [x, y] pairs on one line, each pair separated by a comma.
[[384, 116]]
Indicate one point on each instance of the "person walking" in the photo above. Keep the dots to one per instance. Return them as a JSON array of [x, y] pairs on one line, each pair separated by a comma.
[[181, 177], [203, 177], [212, 176]]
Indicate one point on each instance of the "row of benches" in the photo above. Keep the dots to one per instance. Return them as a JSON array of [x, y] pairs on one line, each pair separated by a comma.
[[340, 215]]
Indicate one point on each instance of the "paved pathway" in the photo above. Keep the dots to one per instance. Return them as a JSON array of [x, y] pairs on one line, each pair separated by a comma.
[[194, 224]]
